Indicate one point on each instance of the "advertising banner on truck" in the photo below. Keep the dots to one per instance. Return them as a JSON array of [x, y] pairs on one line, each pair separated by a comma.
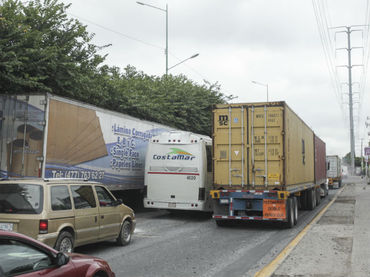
[[53, 137]]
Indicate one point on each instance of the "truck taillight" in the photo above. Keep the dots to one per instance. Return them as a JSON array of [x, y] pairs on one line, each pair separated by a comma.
[[43, 226]]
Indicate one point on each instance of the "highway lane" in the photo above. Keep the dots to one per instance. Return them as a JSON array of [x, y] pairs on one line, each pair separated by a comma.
[[191, 244]]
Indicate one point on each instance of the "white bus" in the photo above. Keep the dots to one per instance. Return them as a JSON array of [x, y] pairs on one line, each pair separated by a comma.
[[178, 172]]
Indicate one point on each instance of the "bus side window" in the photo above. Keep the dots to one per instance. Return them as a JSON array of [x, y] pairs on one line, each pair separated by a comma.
[[209, 158]]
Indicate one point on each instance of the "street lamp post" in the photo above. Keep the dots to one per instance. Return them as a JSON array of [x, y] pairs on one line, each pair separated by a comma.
[[166, 11], [192, 57], [265, 85]]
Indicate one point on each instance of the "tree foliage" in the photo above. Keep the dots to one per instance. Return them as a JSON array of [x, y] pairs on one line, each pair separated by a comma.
[[347, 159], [42, 50]]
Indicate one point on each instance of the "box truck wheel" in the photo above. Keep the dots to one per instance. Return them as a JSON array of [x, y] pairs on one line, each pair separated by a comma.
[[290, 214]]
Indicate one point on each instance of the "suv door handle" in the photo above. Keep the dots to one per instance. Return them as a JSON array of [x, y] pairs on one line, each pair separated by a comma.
[[102, 217]]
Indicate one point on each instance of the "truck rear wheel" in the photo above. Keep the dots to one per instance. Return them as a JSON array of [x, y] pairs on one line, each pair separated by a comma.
[[311, 199], [303, 200], [295, 203], [290, 214], [318, 196]]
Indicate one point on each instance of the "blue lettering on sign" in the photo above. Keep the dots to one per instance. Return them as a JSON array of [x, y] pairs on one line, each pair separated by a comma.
[[123, 152]]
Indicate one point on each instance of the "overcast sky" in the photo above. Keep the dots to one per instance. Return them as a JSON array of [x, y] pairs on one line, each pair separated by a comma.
[[275, 42]]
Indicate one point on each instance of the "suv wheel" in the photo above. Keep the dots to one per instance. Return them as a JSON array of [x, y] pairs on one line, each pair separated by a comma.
[[124, 236], [64, 242]]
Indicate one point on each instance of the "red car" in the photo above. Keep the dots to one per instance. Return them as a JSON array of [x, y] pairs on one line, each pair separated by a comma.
[[23, 256]]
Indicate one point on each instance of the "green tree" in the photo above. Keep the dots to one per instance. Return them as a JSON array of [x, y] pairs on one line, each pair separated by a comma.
[[347, 159], [41, 50]]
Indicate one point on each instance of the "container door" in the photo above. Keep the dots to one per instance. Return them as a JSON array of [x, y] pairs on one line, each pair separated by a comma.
[[265, 129], [231, 142], [22, 124]]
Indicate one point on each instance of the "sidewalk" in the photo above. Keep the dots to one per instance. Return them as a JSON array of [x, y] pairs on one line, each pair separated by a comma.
[[339, 243]]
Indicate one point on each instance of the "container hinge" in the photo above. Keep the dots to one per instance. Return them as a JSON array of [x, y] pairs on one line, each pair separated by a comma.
[[235, 169], [40, 158], [42, 123], [43, 102]]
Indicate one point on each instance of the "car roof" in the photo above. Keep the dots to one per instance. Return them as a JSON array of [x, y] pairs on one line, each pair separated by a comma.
[[46, 181]]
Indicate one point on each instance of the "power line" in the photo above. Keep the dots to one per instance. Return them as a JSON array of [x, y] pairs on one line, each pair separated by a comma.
[[116, 32], [134, 39]]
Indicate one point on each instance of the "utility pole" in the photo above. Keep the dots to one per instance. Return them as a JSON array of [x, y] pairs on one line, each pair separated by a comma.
[[348, 30], [350, 98], [362, 157]]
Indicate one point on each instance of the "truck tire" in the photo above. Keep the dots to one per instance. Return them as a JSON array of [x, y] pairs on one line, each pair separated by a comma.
[[295, 203], [290, 214], [311, 199], [303, 200], [318, 196]]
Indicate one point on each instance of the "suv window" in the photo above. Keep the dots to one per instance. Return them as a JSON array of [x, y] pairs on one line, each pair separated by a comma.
[[105, 199], [21, 198], [60, 198], [83, 197]]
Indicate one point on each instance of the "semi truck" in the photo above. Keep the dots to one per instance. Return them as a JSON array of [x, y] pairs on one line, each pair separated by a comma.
[[334, 171], [49, 136], [267, 163], [178, 172]]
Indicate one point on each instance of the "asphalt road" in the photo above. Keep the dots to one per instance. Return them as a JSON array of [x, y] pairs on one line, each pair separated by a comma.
[[191, 244]]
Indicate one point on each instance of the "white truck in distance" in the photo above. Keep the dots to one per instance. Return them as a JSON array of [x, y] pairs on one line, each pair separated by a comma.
[[334, 170], [178, 172]]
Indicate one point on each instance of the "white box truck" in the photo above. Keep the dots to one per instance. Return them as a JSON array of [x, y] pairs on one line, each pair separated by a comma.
[[178, 172], [54, 137], [334, 171]]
